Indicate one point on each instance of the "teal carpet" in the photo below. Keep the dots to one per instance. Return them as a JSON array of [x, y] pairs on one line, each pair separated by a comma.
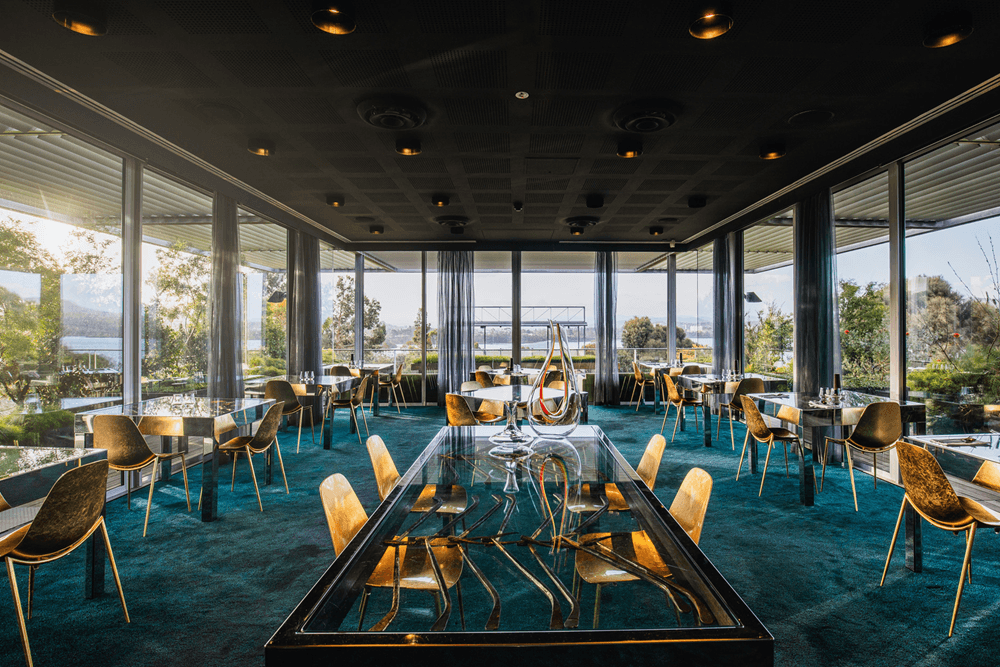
[[212, 594]]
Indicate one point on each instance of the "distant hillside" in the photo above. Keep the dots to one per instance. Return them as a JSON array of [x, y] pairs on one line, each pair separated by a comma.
[[78, 320]]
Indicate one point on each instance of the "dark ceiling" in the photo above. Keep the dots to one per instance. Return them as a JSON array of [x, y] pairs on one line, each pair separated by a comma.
[[208, 75]]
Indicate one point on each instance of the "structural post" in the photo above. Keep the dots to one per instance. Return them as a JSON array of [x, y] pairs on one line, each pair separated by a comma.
[[225, 350], [132, 314], [672, 306], [305, 351], [897, 283], [736, 329], [359, 308], [515, 306]]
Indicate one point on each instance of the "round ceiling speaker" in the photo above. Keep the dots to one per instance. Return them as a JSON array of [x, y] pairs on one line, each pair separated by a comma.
[[392, 115], [645, 116], [453, 221], [581, 221]]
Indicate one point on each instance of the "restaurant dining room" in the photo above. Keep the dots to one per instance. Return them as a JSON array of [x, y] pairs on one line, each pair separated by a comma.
[[465, 300]]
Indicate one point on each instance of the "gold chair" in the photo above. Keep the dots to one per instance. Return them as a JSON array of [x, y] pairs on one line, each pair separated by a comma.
[[988, 476], [282, 392], [679, 401], [258, 443], [128, 451], [745, 386], [878, 429], [483, 378], [392, 382], [692, 369], [761, 432], [340, 371], [352, 402], [470, 385], [930, 493], [460, 414], [4, 505], [688, 509], [590, 499], [386, 476], [69, 515], [345, 516], [641, 381], [501, 379]]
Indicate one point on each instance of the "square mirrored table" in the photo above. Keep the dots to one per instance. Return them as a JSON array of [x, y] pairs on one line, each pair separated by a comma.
[[517, 555]]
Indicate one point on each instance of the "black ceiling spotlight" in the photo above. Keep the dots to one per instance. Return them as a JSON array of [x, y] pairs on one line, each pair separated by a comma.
[[752, 297], [260, 146], [334, 16], [335, 201], [456, 223], [711, 20], [81, 16], [947, 29], [656, 231], [392, 114], [376, 229], [277, 297], [645, 116], [576, 231], [629, 147], [697, 201], [771, 150], [408, 146], [440, 200], [595, 200]]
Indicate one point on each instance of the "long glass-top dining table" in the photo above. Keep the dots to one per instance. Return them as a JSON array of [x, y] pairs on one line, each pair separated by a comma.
[[514, 556]]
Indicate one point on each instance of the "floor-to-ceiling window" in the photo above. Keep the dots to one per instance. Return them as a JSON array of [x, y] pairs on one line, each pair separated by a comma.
[[953, 282], [768, 305], [393, 315], [60, 280], [695, 309], [491, 335], [337, 306], [263, 251]]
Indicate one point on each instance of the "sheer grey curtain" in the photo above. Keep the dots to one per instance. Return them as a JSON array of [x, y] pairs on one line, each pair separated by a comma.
[[304, 351], [605, 306], [225, 340], [455, 317], [727, 283]]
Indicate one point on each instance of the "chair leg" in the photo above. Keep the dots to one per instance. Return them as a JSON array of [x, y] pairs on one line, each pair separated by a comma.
[[312, 426], [298, 444], [875, 469], [892, 545], [826, 457], [281, 463], [785, 443], [742, 454], [767, 459], [31, 585], [22, 628], [364, 606], [395, 398], [732, 434], [232, 485], [966, 563], [114, 569], [666, 413], [253, 474], [357, 426], [850, 469], [597, 607], [677, 420], [149, 503], [634, 387], [184, 471], [367, 432]]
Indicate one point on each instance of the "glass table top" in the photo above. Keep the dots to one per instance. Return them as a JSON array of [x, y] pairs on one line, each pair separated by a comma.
[[180, 405], [23, 460]]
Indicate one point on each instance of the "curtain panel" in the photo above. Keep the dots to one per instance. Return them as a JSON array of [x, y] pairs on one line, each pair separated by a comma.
[[456, 306], [225, 340], [304, 339], [605, 307]]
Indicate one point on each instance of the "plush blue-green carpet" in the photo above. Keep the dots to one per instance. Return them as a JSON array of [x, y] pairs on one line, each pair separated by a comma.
[[212, 594]]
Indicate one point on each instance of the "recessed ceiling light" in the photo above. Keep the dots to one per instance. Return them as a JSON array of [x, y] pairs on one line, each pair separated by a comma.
[[335, 201], [595, 201], [576, 231], [697, 201], [376, 229], [710, 21], [656, 231], [408, 147], [772, 151], [440, 200], [629, 148], [521, 95], [947, 29], [261, 147], [334, 16], [80, 16]]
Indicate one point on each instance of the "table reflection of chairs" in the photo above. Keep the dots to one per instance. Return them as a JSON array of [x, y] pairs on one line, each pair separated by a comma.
[[735, 405], [483, 378], [460, 414], [758, 429], [354, 400], [345, 516], [69, 515], [680, 401], [877, 430], [284, 393], [258, 443], [453, 497], [591, 497], [394, 383], [688, 509], [128, 451], [931, 495]]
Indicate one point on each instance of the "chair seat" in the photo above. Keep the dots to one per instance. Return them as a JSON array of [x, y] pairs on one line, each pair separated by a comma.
[[592, 499], [236, 444], [487, 417], [415, 569], [454, 497], [635, 546], [686, 402], [783, 434], [9, 542]]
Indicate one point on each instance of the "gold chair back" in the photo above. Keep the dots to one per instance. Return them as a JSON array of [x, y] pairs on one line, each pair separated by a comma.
[[127, 449], [987, 476], [755, 421], [283, 392], [341, 371], [459, 412], [491, 407], [471, 385], [399, 375], [746, 386], [69, 513], [502, 380], [344, 514], [691, 502], [649, 464], [673, 395], [558, 384], [268, 429], [637, 371], [692, 369], [880, 426], [483, 378], [927, 488], [386, 474], [787, 413], [358, 397]]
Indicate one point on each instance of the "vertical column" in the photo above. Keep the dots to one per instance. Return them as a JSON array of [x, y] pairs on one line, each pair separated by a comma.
[[515, 306], [131, 279], [359, 308], [225, 351], [897, 283], [816, 339], [672, 306], [605, 307], [721, 306], [736, 330], [304, 326]]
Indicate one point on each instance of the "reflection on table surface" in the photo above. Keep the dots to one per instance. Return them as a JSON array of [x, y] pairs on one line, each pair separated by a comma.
[[21, 460], [812, 402], [519, 550]]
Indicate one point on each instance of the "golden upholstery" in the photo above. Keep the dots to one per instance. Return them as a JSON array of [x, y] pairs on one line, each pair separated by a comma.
[[692, 369], [4, 505], [69, 515], [283, 392], [758, 429], [127, 451], [258, 443], [679, 401], [691, 502], [641, 381], [454, 497], [501, 379], [930, 493], [877, 430], [745, 386], [471, 385], [355, 399], [489, 412], [460, 414], [987, 476], [345, 516], [590, 499], [483, 378], [394, 383]]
